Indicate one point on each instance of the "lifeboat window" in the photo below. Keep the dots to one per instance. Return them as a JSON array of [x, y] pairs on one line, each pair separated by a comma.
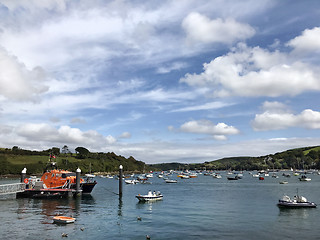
[[52, 175], [58, 175], [64, 175], [71, 174], [46, 177]]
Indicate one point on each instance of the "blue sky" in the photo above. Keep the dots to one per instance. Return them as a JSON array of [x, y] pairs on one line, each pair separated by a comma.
[[162, 81]]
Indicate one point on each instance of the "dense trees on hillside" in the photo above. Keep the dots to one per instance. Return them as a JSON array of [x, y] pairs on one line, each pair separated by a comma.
[[12, 161], [300, 158]]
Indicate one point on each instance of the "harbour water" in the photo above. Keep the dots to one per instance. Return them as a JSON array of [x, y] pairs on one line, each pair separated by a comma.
[[196, 208]]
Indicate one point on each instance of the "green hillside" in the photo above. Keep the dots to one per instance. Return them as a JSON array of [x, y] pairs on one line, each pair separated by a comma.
[[300, 158], [12, 161]]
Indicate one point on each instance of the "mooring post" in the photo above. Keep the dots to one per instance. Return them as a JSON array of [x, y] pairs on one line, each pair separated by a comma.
[[23, 175], [120, 180], [78, 171]]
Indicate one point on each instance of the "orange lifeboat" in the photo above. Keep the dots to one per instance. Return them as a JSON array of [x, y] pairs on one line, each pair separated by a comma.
[[59, 178]]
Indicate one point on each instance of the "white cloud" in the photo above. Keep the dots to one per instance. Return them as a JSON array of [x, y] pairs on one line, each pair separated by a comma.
[[218, 131], [274, 106], [110, 139], [200, 28], [307, 42], [206, 106], [164, 151], [45, 135], [276, 117], [125, 135], [17, 82], [78, 120], [254, 72], [34, 5], [174, 66]]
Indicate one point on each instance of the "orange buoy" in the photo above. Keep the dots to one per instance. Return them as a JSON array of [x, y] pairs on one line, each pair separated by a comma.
[[26, 180]]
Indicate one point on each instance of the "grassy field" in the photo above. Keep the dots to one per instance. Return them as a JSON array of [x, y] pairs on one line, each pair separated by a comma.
[[314, 149]]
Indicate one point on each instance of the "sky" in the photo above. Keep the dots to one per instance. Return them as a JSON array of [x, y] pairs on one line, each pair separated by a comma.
[[163, 81]]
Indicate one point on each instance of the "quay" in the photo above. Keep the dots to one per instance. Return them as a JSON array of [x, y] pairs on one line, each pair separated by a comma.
[[19, 190], [48, 193], [7, 189]]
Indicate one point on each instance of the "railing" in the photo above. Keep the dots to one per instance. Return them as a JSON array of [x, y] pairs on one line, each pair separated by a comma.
[[12, 188]]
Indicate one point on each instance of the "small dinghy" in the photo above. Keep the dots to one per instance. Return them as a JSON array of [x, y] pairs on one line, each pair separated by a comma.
[[283, 182], [171, 181], [63, 219], [296, 202], [151, 196]]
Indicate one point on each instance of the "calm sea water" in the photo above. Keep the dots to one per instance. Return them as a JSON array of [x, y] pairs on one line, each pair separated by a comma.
[[198, 208]]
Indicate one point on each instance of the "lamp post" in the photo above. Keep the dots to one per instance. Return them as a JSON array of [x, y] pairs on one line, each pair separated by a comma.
[[120, 180], [23, 175], [78, 171]]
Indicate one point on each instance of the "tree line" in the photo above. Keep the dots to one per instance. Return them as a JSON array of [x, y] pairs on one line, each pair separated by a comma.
[[13, 160], [300, 158]]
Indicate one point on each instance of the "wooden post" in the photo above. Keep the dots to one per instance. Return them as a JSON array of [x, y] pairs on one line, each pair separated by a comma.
[[23, 175], [120, 180]]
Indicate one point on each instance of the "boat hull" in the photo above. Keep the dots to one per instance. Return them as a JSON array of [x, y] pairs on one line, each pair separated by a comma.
[[155, 196], [63, 220], [149, 198], [87, 187], [171, 181], [285, 204]]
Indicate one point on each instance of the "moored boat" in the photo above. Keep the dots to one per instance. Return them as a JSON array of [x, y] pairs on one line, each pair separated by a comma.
[[216, 175], [193, 175], [151, 196], [54, 178], [63, 219], [296, 202], [57, 178], [304, 178], [130, 181], [283, 182], [171, 181], [235, 177]]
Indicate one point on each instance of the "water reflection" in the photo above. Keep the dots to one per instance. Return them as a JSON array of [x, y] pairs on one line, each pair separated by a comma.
[[120, 206], [294, 213], [50, 207], [147, 205], [88, 199]]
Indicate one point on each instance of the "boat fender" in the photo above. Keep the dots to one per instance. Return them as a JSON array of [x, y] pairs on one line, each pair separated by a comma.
[[26, 180]]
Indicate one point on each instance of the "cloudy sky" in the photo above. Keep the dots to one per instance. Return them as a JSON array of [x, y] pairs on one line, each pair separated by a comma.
[[162, 81]]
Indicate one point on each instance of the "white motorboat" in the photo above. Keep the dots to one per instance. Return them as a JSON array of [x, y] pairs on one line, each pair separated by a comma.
[[304, 178], [184, 176], [130, 181], [151, 196], [216, 176], [296, 202], [171, 181], [283, 182]]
